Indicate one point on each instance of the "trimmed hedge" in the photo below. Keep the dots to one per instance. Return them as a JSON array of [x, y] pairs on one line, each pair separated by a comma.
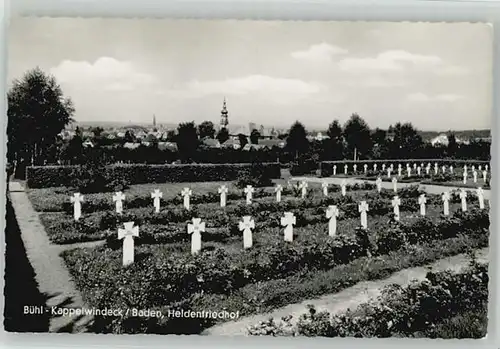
[[55, 176], [326, 167]]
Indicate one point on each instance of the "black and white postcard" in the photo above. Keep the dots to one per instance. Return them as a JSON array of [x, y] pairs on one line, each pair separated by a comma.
[[250, 178]]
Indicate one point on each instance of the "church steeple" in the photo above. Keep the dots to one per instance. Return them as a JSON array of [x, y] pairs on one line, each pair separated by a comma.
[[154, 120], [224, 115]]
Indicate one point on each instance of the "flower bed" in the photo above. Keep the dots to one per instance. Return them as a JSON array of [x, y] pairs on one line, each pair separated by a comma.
[[172, 221], [58, 199], [166, 276], [399, 311]]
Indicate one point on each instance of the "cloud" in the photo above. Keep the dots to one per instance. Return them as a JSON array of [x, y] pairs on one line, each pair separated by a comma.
[[282, 89], [105, 73], [392, 60], [319, 53], [423, 98]]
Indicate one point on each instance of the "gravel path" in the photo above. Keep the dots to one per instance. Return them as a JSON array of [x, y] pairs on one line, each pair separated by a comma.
[[52, 277], [349, 298]]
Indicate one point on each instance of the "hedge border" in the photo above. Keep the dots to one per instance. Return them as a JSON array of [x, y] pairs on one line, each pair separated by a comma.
[[55, 176]]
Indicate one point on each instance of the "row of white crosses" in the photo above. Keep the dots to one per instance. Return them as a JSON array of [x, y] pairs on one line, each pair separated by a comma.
[[119, 197], [416, 168], [287, 221]]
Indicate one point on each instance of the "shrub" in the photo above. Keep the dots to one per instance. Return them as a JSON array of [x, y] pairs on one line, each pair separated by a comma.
[[399, 311], [257, 177], [54, 176]]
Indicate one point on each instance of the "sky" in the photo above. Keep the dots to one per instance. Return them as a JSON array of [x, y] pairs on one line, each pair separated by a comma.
[[438, 76]]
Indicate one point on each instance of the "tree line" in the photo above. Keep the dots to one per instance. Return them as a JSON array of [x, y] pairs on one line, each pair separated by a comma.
[[38, 111]]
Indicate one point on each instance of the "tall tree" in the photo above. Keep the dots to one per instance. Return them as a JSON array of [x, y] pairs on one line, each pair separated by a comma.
[[296, 142], [37, 112], [206, 129], [357, 136], [254, 136], [334, 145], [407, 142], [187, 141], [452, 145], [223, 135], [243, 139], [129, 136]]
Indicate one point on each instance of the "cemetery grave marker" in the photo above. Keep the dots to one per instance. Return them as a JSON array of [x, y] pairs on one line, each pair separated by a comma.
[[332, 213], [195, 229], [288, 221], [118, 199], [128, 234], [186, 193], [246, 227], [77, 200], [156, 195]]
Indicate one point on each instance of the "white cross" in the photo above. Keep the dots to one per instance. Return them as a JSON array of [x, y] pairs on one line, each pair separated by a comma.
[[396, 201], [480, 197], [374, 167], [451, 169], [332, 213], [392, 167], [343, 185], [363, 208], [486, 167], [288, 221], [465, 168], [76, 200], [443, 168], [399, 171], [465, 177], [278, 189], [223, 195], [303, 188], [334, 170], [473, 167], [446, 205], [249, 191], [484, 175], [345, 169], [427, 170], [463, 197], [128, 235], [378, 182], [418, 171], [414, 166], [186, 193], [408, 170], [365, 167], [435, 168], [355, 167], [389, 172], [383, 167], [246, 227], [324, 186], [118, 198], [195, 229], [474, 176], [156, 195], [422, 200], [395, 184], [479, 167]]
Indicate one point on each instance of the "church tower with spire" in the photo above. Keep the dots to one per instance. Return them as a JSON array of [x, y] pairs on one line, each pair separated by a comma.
[[224, 115], [154, 120]]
